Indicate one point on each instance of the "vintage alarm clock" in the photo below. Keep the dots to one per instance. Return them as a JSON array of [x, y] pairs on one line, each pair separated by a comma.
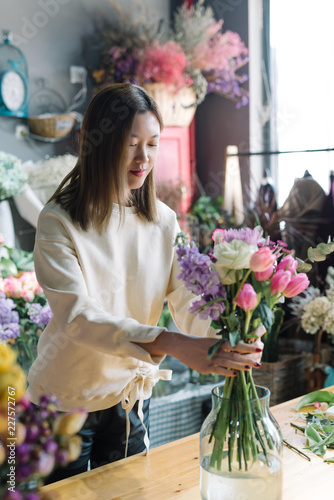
[[14, 93]]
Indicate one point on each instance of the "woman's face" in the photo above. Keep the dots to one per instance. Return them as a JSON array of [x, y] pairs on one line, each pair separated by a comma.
[[143, 148]]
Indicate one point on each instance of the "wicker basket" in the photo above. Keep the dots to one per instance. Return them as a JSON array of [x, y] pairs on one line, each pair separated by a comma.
[[177, 109], [51, 126], [284, 378]]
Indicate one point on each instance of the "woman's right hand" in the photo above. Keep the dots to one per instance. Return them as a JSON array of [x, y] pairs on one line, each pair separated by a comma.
[[193, 352]]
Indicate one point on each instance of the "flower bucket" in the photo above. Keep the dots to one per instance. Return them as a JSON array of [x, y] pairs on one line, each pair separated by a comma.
[[177, 109]]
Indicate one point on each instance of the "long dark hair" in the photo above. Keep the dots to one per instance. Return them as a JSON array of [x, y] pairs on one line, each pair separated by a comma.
[[99, 178]]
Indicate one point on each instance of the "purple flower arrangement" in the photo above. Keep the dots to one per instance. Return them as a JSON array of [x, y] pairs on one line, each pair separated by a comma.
[[44, 439]]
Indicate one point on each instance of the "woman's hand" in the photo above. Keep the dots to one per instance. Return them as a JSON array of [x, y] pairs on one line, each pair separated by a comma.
[[193, 352]]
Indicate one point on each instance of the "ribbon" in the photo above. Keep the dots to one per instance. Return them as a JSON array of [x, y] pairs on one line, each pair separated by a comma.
[[139, 389]]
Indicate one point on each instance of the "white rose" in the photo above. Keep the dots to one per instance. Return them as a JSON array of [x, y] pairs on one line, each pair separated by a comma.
[[227, 276], [234, 255]]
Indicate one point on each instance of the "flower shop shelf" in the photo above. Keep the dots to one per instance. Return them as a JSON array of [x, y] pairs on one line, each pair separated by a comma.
[[172, 470]]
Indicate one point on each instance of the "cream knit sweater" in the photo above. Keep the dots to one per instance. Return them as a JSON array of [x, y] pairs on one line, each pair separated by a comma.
[[105, 290]]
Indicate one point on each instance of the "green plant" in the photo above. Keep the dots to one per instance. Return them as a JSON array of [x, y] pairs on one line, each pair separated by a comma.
[[210, 215]]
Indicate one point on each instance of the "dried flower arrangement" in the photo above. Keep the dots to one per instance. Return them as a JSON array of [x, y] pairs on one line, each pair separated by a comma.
[[194, 53]]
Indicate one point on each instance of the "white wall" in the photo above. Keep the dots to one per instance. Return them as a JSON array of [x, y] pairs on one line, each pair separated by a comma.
[[50, 32]]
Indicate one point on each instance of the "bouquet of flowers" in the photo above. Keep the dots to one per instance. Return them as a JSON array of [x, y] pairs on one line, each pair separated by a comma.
[[194, 53], [239, 286], [24, 310], [12, 176], [33, 440]]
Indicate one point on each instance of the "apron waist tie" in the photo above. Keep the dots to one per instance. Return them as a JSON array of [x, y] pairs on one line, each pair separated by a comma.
[[139, 389]]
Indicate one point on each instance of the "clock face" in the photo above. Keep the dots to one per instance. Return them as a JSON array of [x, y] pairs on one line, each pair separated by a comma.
[[13, 90]]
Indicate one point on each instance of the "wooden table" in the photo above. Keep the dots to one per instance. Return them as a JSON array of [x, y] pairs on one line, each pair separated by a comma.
[[171, 471]]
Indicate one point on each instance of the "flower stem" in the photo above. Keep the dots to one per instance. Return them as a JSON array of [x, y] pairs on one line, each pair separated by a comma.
[[247, 320], [243, 281]]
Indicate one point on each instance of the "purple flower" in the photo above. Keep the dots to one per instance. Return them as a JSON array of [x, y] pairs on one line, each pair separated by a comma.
[[45, 464], [23, 451], [41, 315], [9, 319], [23, 471], [33, 432], [248, 235], [32, 496], [200, 279], [13, 495], [206, 310], [196, 272]]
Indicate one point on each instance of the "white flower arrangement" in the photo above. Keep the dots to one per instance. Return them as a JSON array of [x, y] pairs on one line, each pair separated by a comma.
[[12, 176], [314, 314], [316, 311], [50, 171]]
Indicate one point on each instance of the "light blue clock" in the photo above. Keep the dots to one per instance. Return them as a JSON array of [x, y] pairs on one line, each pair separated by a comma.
[[14, 92]]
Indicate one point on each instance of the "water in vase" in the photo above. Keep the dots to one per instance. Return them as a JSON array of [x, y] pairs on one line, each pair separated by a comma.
[[260, 483]]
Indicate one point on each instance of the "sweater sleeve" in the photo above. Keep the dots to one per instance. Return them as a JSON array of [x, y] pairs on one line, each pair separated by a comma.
[[75, 312]]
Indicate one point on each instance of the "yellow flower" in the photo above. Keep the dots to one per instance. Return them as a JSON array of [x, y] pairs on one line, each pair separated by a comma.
[[73, 446], [7, 357], [13, 384], [2, 453], [3, 422], [70, 423]]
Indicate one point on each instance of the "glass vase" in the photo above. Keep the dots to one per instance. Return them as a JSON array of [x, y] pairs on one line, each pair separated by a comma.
[[240, 449]]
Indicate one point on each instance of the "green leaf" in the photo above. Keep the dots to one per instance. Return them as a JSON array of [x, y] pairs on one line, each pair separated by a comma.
[[316, 443], [303, 267], [315, 396], [324, 248], [23, 260], [320, 252], [216, 325], [265, 314], [234, 338], [316, 255], [214, 348], [8, 268], [233, 320]]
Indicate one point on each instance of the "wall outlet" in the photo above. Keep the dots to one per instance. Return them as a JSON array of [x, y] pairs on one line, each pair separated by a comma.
[[78, 74]]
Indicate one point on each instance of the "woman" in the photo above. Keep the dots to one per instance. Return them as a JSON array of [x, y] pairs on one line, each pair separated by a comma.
[[105, 259]]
